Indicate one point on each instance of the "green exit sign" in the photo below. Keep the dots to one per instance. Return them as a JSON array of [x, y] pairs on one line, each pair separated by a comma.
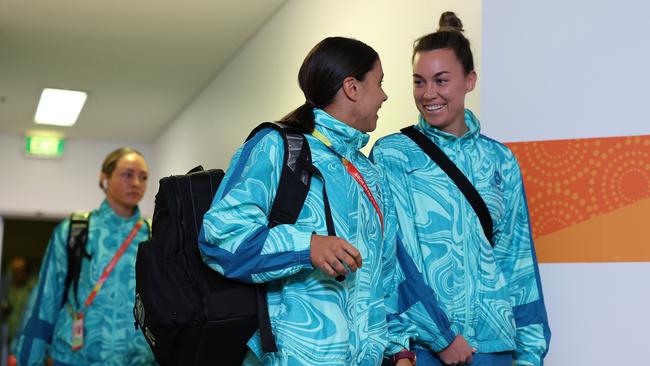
[[44, 144]]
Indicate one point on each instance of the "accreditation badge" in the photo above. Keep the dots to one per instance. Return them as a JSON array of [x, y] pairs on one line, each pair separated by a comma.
[[77, 330]]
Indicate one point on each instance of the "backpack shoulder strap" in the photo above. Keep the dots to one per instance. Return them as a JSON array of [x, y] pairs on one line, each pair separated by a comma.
[[262, 126], [149, 224], [293, 188], [448, 166], [295, 177], [76, 250]]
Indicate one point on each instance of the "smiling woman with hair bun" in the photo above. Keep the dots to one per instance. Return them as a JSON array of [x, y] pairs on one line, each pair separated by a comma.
[[470, 286]]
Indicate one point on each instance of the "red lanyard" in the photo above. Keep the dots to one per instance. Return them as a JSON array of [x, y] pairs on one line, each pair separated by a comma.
[[113, 262], [356, 174]]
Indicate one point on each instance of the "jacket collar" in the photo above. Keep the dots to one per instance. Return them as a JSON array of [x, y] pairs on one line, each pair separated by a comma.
[[441, 137], [106, 213], [346, 140]]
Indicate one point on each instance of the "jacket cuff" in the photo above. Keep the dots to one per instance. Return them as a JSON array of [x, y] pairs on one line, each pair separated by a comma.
[[397, 344], [302, 243], [443, 341]]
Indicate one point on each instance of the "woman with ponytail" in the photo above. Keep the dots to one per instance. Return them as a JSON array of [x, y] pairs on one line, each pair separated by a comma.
[[318, 317], [474, 296], [98, 301]]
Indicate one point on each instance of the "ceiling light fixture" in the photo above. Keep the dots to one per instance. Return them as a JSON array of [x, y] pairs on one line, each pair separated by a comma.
[[59, 107]]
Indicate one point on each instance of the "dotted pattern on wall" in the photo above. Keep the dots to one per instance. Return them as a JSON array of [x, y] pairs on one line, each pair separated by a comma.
[[571, 181]]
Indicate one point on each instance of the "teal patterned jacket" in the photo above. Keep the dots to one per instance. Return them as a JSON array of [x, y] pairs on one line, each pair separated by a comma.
[[109, 335], [315, 319], [453, 280]]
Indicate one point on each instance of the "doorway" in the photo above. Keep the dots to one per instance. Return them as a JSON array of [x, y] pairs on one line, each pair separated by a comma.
[[23, 241]]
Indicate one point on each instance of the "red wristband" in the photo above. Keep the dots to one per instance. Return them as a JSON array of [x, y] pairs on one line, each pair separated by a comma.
[[403, 354]]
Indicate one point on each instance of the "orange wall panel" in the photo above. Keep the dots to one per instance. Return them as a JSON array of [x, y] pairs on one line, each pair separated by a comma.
[[587, 182]]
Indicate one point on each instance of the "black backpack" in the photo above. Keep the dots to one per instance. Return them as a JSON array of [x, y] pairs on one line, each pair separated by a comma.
[[76, 251], [189, 313]]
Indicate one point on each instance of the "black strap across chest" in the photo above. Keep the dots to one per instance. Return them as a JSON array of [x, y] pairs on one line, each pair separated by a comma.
[[448, 166]]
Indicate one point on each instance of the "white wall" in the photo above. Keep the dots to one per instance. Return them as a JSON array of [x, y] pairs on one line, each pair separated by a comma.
[[260, 83], [565, 69], [598, 313], [55, 187], [571, 69]]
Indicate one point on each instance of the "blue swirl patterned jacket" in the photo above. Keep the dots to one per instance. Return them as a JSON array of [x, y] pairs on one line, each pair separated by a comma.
[[453, 281], [315, 319], [109, 335]]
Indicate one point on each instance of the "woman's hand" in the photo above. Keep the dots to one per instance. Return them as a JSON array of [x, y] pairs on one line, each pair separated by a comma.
[[459, 352], [330, 253]]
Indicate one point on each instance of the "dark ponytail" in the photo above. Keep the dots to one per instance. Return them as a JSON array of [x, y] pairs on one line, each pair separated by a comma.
[[322, 74], [301, 118], [449, 35]]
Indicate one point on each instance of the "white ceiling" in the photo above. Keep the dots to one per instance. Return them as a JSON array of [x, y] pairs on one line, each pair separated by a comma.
[[140, 61]]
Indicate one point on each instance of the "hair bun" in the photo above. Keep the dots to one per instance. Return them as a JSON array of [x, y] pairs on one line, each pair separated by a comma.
[[449, 21]]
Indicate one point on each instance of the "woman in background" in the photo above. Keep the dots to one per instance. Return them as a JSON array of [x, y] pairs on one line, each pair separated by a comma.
[[102, 319]]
